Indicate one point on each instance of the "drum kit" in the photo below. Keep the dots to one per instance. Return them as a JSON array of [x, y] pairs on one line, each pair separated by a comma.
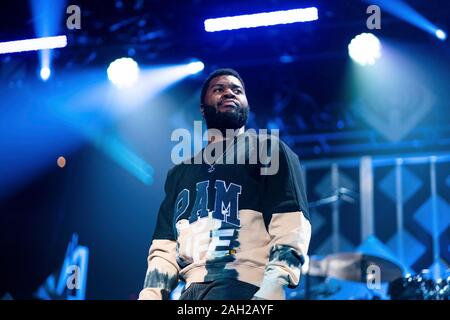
[[420, 287], [367, 269]]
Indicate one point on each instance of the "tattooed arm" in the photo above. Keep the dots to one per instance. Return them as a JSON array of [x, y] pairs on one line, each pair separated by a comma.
[[286, 207], [162, 272], [290, 233]]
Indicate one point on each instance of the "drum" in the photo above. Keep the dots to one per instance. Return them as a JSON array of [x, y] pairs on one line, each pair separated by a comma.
[[420, 287]]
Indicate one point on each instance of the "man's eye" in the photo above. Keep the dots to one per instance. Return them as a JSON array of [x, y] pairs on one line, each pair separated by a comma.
[[218, 90], [238, 91]]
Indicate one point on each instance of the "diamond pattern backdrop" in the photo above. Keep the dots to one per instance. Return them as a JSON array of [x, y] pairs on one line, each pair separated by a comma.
[[417, 232]]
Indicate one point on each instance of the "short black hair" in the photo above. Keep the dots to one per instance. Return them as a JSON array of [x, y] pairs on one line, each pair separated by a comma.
[[218, 73]]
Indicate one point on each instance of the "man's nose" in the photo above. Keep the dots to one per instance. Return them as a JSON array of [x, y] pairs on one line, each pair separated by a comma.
[[229, 94]]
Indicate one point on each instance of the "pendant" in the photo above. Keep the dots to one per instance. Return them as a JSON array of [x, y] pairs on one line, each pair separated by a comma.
[[211, 169]]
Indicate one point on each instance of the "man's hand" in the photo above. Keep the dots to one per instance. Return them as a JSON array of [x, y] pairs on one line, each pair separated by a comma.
[[272, 286]]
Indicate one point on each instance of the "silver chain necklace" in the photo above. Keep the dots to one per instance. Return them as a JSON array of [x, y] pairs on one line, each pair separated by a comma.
[[212, 166]]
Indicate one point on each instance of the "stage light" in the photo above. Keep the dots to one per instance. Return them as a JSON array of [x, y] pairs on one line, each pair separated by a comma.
[[33, 44], [61, 162], [404, 11], [45, 73], [261, 19], [123, 72], [440, 34], [195, 67], [365, 49]]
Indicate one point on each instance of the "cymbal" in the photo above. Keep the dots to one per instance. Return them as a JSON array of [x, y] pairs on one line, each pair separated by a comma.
[[361, 267], [355, 267], [316, 267]]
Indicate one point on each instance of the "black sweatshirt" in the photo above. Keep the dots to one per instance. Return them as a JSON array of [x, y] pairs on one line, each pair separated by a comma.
[[248, 221]]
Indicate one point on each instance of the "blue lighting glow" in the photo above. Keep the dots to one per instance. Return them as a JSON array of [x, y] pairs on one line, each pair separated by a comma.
[[46, 17], [404, 11]]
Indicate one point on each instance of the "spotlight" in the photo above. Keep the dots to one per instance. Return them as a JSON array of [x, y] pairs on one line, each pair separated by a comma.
[[261, 19], [45, 73], [195, 67], [440, 34], [365, 49], [33, 44], [123, 72]]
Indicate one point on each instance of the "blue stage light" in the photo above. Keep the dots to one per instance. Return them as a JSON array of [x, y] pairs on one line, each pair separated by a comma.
[[404, 11], [123, 72], [440, 34], [195, 67], [365, 49], [45, 73]]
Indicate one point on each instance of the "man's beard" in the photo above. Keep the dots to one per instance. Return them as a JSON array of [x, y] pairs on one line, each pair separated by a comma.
[[233, 119]]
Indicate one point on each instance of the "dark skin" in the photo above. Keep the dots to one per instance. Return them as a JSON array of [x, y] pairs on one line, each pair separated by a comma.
[[225, 93]]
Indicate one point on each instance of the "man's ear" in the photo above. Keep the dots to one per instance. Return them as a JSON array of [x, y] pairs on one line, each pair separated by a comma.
[[202, 109]]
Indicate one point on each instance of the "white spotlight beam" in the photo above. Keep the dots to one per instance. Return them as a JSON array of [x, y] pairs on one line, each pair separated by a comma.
[[440, 34], [365, 49], [261, 19], [123, 72], [33, 44]]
